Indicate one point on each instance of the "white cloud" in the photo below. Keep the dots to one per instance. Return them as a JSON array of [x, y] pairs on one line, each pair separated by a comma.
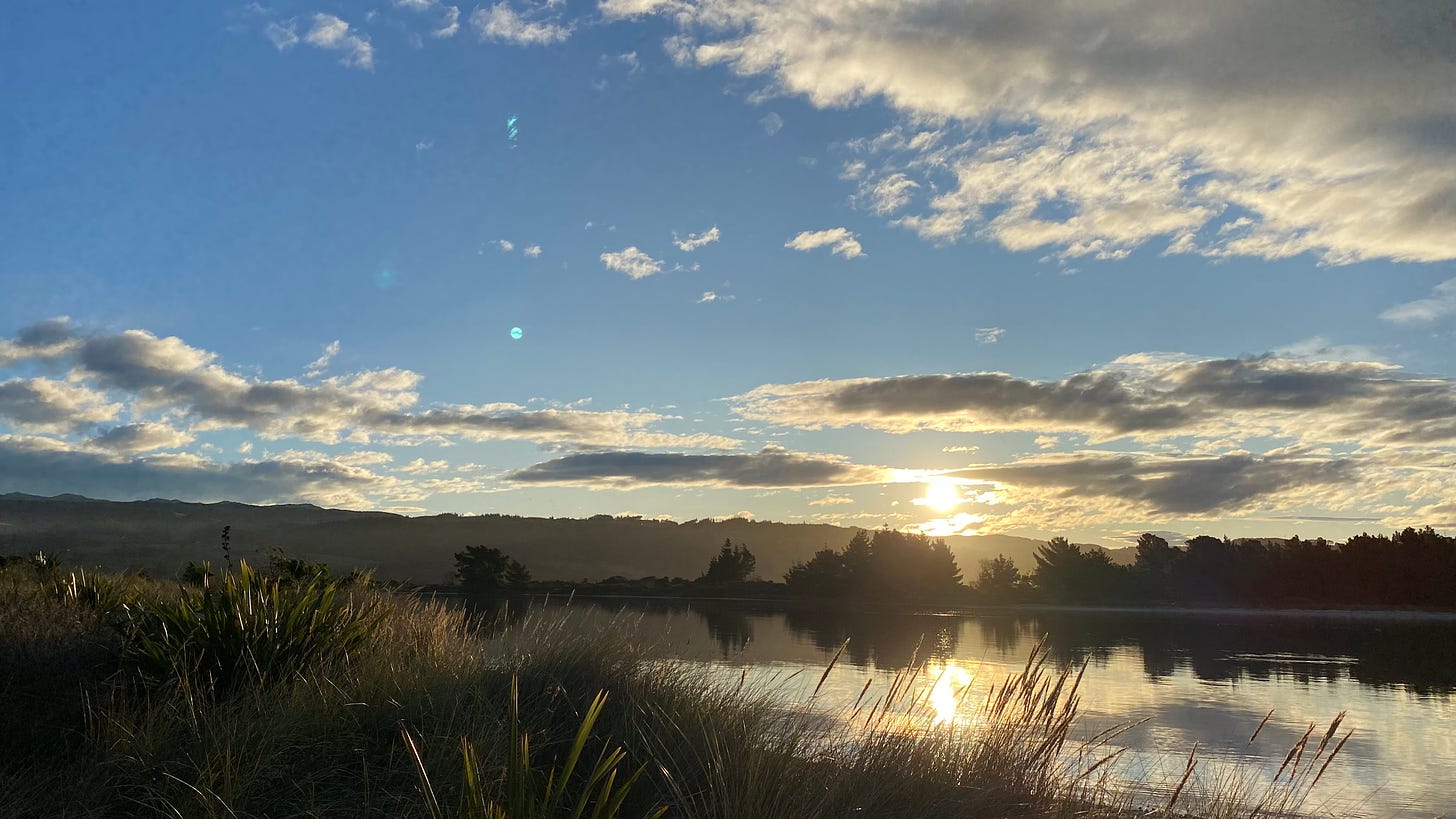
[[318, 365], [501, 23], [448, 16], [617, 9], [887, 194], [628, 59], [531, 251], [1046, 441], [1099, 127], [772, 123], [424, 145], [420, 466], [635, 263], [506, 246], [450, 25], [283, 35], [710, 296], [696, 240], [331, 33], [1440, 304], [989, 335], [832, 500], [843, 242]]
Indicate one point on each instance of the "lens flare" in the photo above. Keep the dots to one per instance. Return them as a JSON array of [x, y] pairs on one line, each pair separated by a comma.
[[516, 333]]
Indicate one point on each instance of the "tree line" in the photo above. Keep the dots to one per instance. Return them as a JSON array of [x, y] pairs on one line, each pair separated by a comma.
[[1413, 567]]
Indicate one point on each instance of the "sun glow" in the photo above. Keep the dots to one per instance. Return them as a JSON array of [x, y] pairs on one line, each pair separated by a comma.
[[942, 496]]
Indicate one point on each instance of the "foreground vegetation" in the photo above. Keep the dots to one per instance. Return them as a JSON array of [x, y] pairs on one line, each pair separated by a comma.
[[280, 693]]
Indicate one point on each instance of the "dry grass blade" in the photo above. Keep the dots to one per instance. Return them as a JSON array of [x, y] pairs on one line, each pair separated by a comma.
[[1262, 723], [432, 804], [1333, 754], [830, 667], [1293, 752], [1334, 726], [1182, 783]]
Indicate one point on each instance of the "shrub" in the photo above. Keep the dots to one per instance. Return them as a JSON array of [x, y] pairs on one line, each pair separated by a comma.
[[106, 594], [244, 629]]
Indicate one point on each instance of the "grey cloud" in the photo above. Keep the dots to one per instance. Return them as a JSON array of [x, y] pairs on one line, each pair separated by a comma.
[[769, 468], [1146, 397], [1177, 485], [46, 405], [39, 341], [168, 375], [46, 468], [548, 427], [46, 334], [141, 438]]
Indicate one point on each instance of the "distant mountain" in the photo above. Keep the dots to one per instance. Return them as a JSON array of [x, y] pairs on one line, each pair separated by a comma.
[[162, 535]]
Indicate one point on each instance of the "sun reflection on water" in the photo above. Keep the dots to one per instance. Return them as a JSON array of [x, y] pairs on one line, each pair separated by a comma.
[[947, 692]]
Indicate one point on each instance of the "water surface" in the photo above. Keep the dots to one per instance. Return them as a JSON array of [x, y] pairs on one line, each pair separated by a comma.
[[1205, 677]]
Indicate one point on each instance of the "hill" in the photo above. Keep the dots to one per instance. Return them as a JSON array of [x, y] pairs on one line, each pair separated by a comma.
[[161, 535]]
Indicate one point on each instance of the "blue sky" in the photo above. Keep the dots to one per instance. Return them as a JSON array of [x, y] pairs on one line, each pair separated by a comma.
[[1087, 269]]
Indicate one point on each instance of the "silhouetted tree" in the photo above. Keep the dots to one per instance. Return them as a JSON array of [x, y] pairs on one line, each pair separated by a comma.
[[823, 575], [483, 570], [905, 566], [999, 580], [732, 564], [1067, 574], [888, 566], [1154, 567], [1058, 568]]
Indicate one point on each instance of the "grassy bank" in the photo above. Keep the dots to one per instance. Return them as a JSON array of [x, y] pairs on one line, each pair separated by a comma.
[[126, 696]]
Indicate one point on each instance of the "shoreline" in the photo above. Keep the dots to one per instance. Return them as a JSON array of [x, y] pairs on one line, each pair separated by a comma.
[[951, 610]]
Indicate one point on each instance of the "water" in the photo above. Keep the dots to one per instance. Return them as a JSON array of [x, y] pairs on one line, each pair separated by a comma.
[[1205, 677]]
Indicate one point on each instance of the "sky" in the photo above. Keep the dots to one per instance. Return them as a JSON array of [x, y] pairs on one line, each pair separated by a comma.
[[1041, 268]]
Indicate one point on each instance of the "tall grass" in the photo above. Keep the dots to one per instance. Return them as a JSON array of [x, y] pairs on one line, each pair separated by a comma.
[[553, 716]]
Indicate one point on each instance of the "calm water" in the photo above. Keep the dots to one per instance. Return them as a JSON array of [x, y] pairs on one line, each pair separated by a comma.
[[1197, 677]]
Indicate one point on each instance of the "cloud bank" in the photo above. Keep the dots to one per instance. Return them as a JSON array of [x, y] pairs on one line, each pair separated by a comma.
[[1241, 129], [1146, 397], [151, 376], [770, 468]]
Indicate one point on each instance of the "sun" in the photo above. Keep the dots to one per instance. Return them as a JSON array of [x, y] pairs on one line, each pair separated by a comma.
[[942, 496]]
